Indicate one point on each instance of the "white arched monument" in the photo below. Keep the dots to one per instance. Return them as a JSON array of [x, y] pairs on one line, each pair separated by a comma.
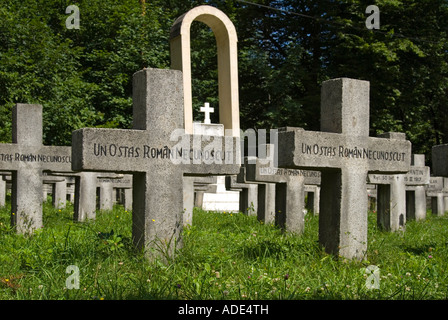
[[226, 43]]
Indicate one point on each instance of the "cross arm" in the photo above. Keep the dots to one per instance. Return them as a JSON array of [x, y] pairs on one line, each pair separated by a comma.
[[50, 158], [208, 155], [315, 150], [122, 150], [116, 150]]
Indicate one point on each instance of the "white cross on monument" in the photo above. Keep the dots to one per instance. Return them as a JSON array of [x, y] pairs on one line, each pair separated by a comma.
[[207, 110]]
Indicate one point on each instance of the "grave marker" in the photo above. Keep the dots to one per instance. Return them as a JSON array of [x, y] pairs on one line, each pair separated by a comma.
[[312, 192], [437, 190], [440, 160], [123, 190], [265, 196], [372, 195], [289, 188], [85, 196], [399, 196], [344, 153], [440, 168], [203, 185], [107, 185], [26, 157], [58, 190], [391, 201], [152, 153], [194, 188], [3, 188], [416, 180], [248, 194]]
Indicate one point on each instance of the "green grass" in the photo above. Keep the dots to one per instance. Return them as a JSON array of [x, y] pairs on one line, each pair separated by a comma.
[[225, 256]]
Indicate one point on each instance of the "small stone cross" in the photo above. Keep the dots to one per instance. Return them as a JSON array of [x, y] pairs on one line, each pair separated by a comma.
[[207, 110], [27, 158]]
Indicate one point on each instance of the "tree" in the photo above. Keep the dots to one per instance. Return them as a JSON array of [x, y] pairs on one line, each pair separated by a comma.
[[405, 62], [286, 48], [81, 77], [38, 66]]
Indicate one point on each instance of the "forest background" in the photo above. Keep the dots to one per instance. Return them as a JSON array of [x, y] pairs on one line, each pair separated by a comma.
[[83, 77]]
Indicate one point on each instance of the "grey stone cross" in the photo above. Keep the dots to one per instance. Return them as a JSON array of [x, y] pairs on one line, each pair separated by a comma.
[[437, 191], [345, 154], [27, 158], [440, 169], [401, 196], [152, 153], [289, 188]]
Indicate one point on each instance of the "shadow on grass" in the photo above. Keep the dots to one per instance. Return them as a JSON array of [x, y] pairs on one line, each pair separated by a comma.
[[278, 248], [419, 249]]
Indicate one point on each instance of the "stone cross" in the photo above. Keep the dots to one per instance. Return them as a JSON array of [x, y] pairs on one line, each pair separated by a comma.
[[204, 185], [207, 110], [391, 201], [85, 196], [439, 155], [85, 188], [248, 194], [289, 188], [344, 153], [106, 188], [372, 195], [312, 192], [416, 180], [437, 190], [3, 189], [440, 168], [59, 190], [56, 185], [123, 190], [401, 197], [151, 151], [265, 196], [27, 158], [194, 188]]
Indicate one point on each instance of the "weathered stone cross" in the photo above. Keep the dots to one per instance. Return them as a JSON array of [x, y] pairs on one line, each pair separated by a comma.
[[401, 196], [152, 153], [27, 158], [437, 191], [344, 153], [439, 168], [289, 188]]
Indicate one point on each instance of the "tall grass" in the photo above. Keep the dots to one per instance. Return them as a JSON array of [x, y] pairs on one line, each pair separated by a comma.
[[225, 256]]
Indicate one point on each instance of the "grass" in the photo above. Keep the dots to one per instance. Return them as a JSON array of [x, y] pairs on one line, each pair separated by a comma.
[[225, 256]]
